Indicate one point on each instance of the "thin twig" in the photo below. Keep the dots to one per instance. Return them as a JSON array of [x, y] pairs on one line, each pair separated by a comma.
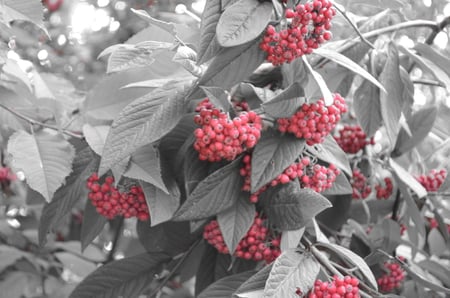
[[344, 14], [396, 206], [35, 122], [428, 82]]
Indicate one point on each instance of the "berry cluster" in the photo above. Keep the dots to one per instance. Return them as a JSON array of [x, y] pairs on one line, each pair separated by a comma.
[[352, 138], [221, 137], [315, 121], [346, 287], [433, 180], [384, 192], [361, 189], [314, 176], [6, 175], [256, 245], [110, 202], [392, 279], [308, 26]]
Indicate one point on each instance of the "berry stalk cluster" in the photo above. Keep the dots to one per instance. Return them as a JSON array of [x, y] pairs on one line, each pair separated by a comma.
[[345, 287], [433, 180], [310, 175], [258, 244], [221, 138], [352, 139], [6, 175], [313, 122], [308, 26], [392, 278], [362, 189], [111, 202]]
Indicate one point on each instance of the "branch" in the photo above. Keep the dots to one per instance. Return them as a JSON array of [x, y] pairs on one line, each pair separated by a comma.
[[35, 122], [428, 82]]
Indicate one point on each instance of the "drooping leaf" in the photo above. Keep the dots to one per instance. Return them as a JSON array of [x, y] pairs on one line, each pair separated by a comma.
[[217, 192], [96, 136], [368, 107], [408, 179], [45, 158], [256, 282], [348, 63], [291, 271], [286, 103], [352, 258], [242, 22], [127, 277], [332, 153], [420, 279], [65, 198], [232, 65], [24, 10], [143, 122], [420, 124], [434, 56], [166, 26], [226, 286], [317, 84], [290, 207], [291, 239], [209, 46], [218, 97], [92, 225], [437, 269], [187, 57], [161, 205], [168, 237], [392, 234], [272, 155], [235, 222], [392, 100], [145, 165]]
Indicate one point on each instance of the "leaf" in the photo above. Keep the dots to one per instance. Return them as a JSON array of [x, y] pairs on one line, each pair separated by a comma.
[[408, 179], [348, 63], [332, 153], [396, 4], [69, 194], [235, 222], [291, 271], [368, 107], [145, 165], [290, 207], [353, 259], [256, 282], [437, 269], [218, 97], [434, 56], [226, 286], [320, 82], [391, 100], [242, 22], [75, 264], [161, 205], [143, 122], [166, 26], [216, 193], [169, 237], [45, 158], [154, 83], [194, 169], [272, 155], [392, 234], [187, 57], [92, 225], [341, 186], [232, 65], [9, 255], [291, 239], [286, 103], [24, 10], [127, 277], [96, 136], [424, 281], [420, 125], [209, 46]]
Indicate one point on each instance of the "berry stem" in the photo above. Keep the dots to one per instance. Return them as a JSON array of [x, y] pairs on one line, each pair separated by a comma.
[[35, 122]]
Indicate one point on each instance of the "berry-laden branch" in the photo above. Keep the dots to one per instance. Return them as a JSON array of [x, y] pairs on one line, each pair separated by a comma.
[[35, 122]]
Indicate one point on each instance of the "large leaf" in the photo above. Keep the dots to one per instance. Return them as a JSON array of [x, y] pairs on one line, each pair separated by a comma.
[[232, 65], [317, 84], [286, 103], [290, 272], [69, 194], [352, 258], [348, 63], [209, 46], [243, 21], [392, 100], [124, 278], [272, 155], [255, 283], [368, 108], [290, 207], [217, 192], [143, 122], [434, 56], [45, 158], [96, 136], [93, 224], [226, 286], [420, 124], [145, 165], [331, 152], [161, 205], [291, 239], [235, 222]]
